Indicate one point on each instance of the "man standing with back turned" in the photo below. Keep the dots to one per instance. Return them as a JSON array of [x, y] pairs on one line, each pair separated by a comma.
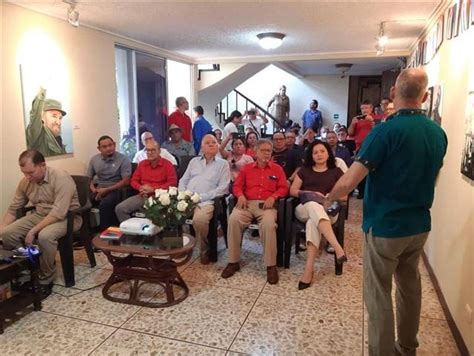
[[402, 159]]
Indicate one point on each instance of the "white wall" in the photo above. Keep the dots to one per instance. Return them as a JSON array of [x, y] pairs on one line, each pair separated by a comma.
[[330, 90], [88, 56], [450, 248]]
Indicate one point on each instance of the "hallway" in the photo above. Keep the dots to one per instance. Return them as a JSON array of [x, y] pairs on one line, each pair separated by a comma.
[[243, 314]]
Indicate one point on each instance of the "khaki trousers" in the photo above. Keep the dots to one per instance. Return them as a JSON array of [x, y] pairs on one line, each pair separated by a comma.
[[202, 216], [13, 236], [240, 219], [384, 258]]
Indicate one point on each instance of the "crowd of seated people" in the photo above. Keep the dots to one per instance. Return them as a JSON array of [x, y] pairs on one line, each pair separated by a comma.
[[256, 171]]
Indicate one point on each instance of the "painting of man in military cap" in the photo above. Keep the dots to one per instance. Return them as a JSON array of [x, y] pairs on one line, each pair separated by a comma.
[[44, 128]]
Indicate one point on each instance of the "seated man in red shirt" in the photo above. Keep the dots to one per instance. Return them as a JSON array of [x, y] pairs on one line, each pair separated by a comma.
[[257, 187], [152, 173]]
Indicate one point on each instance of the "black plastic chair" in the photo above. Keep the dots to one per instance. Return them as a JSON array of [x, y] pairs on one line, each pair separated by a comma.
[[183, 165], [293, 227], [281, 228], [65, 243]]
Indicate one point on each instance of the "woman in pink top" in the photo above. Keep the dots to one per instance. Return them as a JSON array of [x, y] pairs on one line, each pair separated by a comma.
[[237, 157]]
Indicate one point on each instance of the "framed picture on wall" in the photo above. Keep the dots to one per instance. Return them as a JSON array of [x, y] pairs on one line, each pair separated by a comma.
[[436, 103], [471, 12], [427, 105], [439, 32], [48, 127], [456, 16], [449, 23], [467, 159], [465, 14]]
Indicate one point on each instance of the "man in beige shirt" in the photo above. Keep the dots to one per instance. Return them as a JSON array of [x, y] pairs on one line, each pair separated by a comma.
[[52, 192]]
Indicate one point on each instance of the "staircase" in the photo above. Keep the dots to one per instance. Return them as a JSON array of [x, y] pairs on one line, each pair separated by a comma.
[[235, 100]]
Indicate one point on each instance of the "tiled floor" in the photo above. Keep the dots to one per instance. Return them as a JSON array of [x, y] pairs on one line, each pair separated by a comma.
[[240, 315]]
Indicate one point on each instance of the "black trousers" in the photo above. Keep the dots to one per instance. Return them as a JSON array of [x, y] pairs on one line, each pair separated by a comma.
[[106, 207]]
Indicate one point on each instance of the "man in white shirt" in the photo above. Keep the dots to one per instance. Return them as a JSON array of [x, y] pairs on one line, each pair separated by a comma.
[[254, 121], [141, 155]]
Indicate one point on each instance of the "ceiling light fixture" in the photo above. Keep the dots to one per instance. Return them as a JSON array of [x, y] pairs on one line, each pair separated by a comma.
[[382, 40], [72, 13], [270, 40]]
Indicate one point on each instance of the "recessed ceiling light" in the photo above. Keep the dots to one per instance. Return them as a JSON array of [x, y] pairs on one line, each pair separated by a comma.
[[270, 40]]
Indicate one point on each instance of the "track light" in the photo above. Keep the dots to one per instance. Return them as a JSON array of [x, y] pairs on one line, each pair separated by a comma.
[[382, 40], [72, 13]]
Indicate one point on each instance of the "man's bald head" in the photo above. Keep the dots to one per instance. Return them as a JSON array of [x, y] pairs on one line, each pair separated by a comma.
[[411, 84], [146, 136]]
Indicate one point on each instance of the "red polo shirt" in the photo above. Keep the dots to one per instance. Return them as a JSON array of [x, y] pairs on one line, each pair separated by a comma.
[[184, 121], [162, 176], [257, 183], [361, 130]]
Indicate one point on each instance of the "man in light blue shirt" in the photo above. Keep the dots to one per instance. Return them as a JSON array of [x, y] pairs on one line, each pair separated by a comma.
[[201, 128], [312, 118], [209, 176]]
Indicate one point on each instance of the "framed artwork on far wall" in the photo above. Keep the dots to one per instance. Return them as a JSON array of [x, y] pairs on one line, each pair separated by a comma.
[[427, 105], [439, 32], [464, 16], [467, 158], [456, 13], [449, 23], [471, 11]]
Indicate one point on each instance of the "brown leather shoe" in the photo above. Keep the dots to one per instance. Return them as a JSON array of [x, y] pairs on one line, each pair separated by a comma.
[[272, 275], [230, 270]]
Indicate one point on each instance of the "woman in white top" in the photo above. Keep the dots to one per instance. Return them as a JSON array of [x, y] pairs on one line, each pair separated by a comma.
[[231, 124], [254, 121]]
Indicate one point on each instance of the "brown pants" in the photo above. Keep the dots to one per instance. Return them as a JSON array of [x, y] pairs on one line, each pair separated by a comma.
[[13, 236], [384, 258], [240, 219], [202, 216]]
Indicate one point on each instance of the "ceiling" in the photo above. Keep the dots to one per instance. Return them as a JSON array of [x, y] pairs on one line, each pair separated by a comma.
[[225, 31]]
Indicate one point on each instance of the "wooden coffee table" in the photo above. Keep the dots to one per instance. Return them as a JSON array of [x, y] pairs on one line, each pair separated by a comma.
[[23, 298], [148, 259]]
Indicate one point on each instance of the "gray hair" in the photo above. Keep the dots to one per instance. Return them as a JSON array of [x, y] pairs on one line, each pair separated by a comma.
[[411, 84], [263, 141]]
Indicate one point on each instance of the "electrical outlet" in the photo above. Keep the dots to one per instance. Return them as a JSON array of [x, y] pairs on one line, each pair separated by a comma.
[[468, 313]]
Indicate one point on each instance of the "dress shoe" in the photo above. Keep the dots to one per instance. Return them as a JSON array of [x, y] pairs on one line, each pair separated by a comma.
[[304, 285], [230, 270], [272, 275], [45, 290]]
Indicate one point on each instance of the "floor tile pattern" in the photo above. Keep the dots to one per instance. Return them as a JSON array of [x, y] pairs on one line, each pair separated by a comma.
[[237, 316]]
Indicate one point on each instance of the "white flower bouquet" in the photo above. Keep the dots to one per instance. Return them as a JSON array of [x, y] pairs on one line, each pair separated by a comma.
[[170, 208]]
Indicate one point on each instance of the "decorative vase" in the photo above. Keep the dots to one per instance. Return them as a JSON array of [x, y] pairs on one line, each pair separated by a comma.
[[172, 236]]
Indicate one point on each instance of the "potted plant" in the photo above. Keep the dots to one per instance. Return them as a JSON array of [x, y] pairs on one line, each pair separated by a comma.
[[170, 208]]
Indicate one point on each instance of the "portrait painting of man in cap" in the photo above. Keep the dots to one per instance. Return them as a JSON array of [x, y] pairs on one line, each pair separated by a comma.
[[44, 129]]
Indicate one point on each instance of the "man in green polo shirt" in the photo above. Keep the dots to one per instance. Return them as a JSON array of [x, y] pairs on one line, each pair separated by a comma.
[[401, 158]]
